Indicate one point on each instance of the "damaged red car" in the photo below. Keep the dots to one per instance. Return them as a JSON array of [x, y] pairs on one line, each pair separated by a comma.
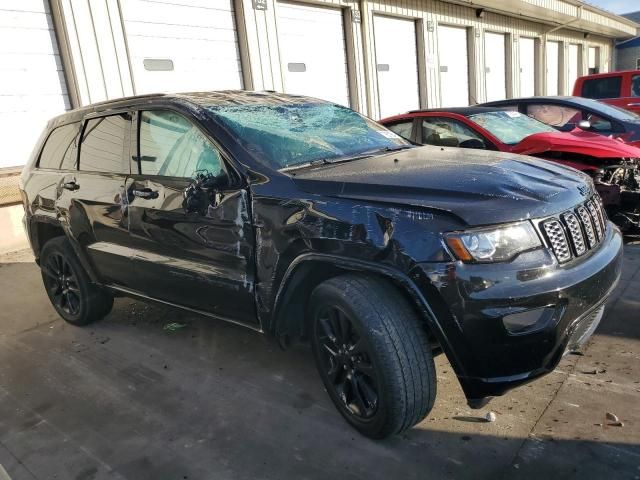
[[612, 164]]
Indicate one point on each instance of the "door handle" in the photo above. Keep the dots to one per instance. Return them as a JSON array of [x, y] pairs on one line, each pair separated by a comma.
[[71, 185], [633, 104], [146, 193]]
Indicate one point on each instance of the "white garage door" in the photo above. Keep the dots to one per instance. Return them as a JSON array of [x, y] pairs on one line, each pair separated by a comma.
[[396, 65], [32, 84], [495, 66], [553, 61], [454, 66], [527, 51], [594, 60], [312, 51], [182, 46], [574, 65]]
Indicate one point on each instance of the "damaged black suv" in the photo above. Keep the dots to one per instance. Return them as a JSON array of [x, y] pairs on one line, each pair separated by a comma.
[[302, 219]]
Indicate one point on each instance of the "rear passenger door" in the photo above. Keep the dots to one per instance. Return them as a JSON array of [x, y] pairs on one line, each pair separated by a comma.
[[91, 201], [189, 220]]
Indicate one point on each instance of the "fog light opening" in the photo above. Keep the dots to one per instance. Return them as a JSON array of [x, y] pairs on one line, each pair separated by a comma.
[[529, 321]]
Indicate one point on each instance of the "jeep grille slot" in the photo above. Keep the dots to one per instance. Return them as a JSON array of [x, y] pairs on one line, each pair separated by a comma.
[[558, 240], [576, 231]]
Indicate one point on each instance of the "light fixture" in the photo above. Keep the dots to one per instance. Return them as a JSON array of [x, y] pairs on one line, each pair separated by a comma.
[[480, 12]]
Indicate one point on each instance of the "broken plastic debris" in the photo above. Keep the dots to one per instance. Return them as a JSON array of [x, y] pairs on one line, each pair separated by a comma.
[[490, 417], [173, 326], [612, 417]]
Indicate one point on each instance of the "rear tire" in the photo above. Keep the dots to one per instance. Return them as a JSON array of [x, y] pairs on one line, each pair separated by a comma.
[[75, 298], [372, 354]]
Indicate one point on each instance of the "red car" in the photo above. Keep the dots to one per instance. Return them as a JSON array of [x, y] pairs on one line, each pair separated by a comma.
[[611, 163], [621, 89]]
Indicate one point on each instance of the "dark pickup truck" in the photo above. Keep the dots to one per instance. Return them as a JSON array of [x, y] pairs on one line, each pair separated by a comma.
[[302, 219]]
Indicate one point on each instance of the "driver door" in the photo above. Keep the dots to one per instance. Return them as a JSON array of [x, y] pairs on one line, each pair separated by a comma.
[[200, 258]]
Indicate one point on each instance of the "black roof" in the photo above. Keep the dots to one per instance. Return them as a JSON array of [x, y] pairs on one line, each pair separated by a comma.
[[582, 101], [198, 99], [465, 111]]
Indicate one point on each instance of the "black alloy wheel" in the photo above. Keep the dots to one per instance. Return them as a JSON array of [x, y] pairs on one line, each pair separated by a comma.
[[347, 362], [62, 284]]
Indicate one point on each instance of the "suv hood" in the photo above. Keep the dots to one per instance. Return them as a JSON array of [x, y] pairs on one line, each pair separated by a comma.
[[579, 142], [477, 186]]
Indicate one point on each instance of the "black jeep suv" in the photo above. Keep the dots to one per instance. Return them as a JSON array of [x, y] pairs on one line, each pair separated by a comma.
[[304, 220]]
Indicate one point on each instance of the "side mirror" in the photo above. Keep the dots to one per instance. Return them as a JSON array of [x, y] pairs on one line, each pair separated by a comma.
[[473, 143], [584, 125]]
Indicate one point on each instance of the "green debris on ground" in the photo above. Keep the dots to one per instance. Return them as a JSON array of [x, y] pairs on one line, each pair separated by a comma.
[[173, 326]]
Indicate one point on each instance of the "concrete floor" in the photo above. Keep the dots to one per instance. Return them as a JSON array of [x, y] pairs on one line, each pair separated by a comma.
[[125, 399]]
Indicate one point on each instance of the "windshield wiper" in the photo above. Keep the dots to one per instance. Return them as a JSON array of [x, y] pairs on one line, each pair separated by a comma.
[[370, 153], [328, 161], [312, 163]]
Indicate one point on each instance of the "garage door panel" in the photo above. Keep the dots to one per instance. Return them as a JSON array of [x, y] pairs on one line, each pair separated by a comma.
[[17, 19], [454, 66], [573, 64], [216, 13], [527, 49], [553, 60], [33, 83], [312, 51], [25, 82], [495, 66], [397, 64], [13, 40], [198, 37]]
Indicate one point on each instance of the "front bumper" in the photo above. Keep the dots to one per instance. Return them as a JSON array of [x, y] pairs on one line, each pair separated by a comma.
[[475, 300]]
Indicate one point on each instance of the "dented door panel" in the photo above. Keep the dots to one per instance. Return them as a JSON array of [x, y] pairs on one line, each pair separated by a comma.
[[201, 260]]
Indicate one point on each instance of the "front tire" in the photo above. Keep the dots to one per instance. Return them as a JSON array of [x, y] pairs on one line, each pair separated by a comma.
[[372, 354], [75, 298]]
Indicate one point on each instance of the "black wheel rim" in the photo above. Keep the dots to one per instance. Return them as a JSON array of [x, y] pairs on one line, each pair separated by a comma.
[[347, 363], [62, 283]]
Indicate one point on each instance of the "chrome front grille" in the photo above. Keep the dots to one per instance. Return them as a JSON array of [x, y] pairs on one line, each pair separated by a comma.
[[576, 231]]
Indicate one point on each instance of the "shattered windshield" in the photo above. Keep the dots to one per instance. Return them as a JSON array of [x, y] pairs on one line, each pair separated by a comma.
[[286, 135], [510, 127]]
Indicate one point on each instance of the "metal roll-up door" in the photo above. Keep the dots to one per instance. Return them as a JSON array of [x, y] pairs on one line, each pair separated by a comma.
[[495, 66], [454, 66], [312, 51], [183, 46], [32, 77], [396, 65], [553, 62], [527, 50]]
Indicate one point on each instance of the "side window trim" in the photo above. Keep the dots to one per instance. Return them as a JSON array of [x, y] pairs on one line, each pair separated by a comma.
[[226, 164], [83, 130]]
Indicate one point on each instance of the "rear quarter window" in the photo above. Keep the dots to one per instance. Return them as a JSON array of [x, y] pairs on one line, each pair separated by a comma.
[[103, 144], [608, 87], [59, 150]]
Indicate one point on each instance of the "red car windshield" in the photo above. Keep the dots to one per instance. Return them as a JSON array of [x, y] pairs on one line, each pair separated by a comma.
[[510, 127]]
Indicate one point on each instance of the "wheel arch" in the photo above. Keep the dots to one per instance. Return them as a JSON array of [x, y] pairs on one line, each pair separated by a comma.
[[42, 229], [307, 271]]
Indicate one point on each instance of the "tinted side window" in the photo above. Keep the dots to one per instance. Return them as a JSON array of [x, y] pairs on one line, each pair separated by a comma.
[[103, 144], [60, 148], [608, 87], [402, 128], [172, 146], [555, 115]]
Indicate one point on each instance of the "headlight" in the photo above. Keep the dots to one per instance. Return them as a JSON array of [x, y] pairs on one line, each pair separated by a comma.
[[494, 244]]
